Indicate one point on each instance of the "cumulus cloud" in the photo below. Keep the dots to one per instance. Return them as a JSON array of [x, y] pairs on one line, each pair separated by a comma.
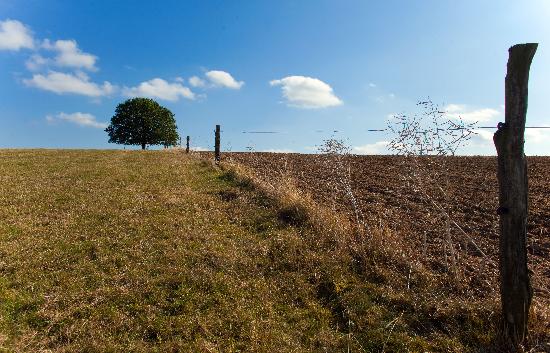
[[161, 89], [216, 78], [379, 147], [223, 79], [468, 115], [36, 62], [79, 83], [69, 55], [307, 92], [81, 119], [196, 81], [14, 36]]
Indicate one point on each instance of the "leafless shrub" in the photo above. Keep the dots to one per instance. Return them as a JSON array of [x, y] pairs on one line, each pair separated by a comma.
[[426, 139], [429, 133], [338, 169]]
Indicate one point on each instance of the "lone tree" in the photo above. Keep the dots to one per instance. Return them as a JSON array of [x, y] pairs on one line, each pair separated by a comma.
[[142, 121]]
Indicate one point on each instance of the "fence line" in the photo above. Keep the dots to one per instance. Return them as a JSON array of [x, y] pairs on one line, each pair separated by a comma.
[[205, 140], [382, 130]]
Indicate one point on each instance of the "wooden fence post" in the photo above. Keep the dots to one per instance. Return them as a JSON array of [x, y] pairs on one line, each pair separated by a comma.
[[217, 144], [187, 146], [515, 287]]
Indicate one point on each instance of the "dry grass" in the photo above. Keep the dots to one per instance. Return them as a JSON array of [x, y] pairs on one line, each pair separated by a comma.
[[444, 307], [118, 251], [139, 251]]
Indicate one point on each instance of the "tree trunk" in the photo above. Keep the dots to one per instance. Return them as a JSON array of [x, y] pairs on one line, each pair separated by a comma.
[[515, 287], [143, 146]]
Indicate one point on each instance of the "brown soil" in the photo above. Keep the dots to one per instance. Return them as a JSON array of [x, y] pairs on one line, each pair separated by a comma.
[[386, 198]]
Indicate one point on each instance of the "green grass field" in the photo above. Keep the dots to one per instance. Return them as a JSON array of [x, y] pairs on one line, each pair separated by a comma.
[[119, 251]]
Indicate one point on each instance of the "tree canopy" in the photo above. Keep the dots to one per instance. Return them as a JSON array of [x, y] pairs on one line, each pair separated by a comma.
[[142, 121]]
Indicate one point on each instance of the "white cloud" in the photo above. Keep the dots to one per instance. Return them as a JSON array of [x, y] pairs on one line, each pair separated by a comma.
[[468, 115], [307, 92], [536, 142], [372, 85], [379, 147], [179, 79], [537, 136], [223, 79], [197, 82], [78, 83], [69, 55], [36, 62], [277, 150], [483, 135], [200, 149], [14, 36], [82, 119], [159, 88]]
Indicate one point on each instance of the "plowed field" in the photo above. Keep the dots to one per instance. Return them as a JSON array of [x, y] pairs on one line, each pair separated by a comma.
[[385, 198]]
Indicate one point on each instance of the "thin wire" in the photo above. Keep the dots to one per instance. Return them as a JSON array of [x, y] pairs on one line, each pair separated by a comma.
[[279, 132], [382, 130], [527, 127]]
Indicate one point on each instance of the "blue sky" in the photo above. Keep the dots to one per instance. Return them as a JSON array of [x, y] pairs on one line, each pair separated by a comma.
[[302, 68]]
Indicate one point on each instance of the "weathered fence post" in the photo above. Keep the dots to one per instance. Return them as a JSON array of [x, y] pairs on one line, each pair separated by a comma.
[[217, 144], [187, 146], [515, 287]]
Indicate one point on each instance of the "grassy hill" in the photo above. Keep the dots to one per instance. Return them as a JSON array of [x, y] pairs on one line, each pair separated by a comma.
[[119, 251]]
